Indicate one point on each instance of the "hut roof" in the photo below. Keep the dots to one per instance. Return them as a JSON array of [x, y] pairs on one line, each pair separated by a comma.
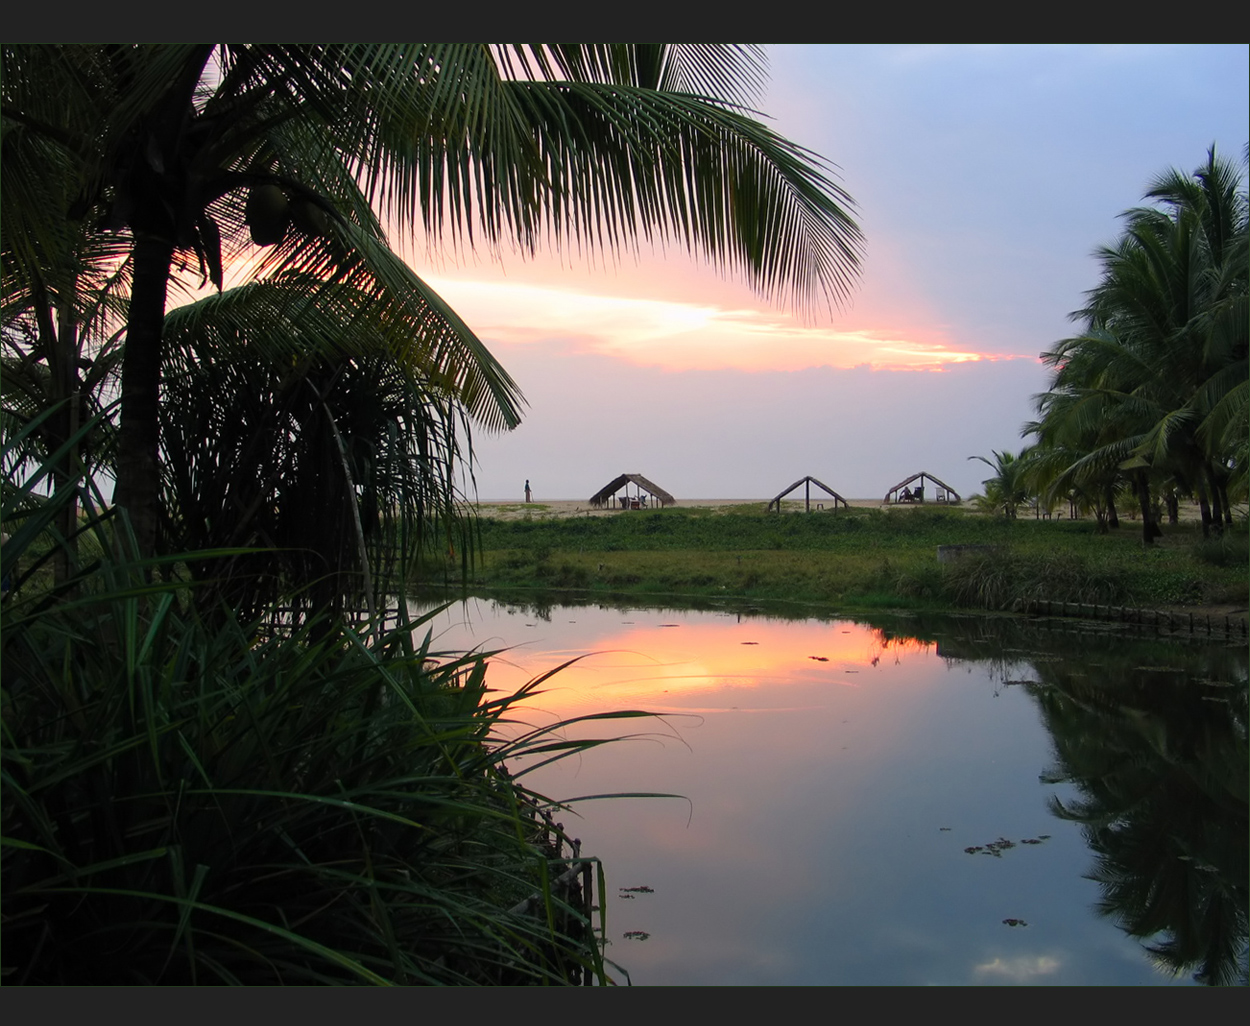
[[923, 474], [605, 493], [836, 497]]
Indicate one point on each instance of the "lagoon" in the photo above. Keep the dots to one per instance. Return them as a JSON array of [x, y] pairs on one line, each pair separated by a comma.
[[883, 803]]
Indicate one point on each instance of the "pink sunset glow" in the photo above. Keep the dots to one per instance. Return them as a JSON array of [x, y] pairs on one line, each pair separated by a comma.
[[984, 178], [673, 335]]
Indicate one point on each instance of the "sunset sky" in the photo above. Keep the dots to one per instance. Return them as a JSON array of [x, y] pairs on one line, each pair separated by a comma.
[[985, 176]]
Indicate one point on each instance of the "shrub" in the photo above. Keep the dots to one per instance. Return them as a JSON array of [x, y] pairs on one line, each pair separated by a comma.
[[1228, 550], [187, 801], [1002, 580]]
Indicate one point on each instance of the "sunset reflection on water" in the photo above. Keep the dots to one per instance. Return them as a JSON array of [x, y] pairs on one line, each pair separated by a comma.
[[828, 779], [673, 662]]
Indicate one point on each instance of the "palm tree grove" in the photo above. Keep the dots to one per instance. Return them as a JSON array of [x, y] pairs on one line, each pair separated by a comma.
[[231, 755], [1148, 403]]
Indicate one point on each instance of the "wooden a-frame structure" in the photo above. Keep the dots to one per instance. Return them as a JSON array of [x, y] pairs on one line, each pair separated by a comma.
[[807, 482], [901, 493], [605, 496]]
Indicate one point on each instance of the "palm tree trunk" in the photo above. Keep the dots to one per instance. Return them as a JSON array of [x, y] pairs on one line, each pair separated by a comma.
[[1149, 529], [1204, 507], [60, 350], [71, 384], [1217, 507], [1222, 486], [138, 442]]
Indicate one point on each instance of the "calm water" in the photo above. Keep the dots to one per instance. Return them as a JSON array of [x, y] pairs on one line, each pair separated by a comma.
[[869, 805]]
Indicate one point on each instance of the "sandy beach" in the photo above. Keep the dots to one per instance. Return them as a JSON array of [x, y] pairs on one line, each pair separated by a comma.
[[582, 507], [562, 508]]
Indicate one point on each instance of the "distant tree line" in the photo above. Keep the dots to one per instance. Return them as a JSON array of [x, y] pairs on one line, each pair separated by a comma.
[[1148, 402]]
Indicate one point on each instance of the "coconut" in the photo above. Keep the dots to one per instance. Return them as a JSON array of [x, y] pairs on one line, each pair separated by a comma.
[[268, 214], [309, 218]]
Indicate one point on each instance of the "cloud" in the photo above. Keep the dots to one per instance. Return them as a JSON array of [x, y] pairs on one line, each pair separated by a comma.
[[1025, 969], [681, 336]]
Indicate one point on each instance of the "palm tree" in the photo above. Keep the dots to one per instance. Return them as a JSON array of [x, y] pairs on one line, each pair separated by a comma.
[[200, 153], [1085, 434], [63, 305], [1008, 488], [1159, 374]]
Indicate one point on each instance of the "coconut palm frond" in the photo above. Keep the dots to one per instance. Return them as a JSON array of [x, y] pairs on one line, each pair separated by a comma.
[[1162, 362]]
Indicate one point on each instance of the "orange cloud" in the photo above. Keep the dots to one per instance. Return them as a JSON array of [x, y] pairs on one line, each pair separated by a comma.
[[680, 336]]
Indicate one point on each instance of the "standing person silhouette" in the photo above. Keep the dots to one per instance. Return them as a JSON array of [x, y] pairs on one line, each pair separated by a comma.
[[527, 489]]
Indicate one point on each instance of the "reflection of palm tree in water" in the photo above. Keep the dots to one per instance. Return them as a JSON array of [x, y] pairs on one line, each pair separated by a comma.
[[1158, 757], [1160, 766]]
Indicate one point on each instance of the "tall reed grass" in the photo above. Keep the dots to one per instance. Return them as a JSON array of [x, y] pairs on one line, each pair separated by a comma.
[[192, 799]]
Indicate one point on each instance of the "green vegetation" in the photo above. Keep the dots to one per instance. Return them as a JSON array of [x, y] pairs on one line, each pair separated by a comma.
[[199, 800], [133, 172], [1152, 397], [857, 558], [219, 766]]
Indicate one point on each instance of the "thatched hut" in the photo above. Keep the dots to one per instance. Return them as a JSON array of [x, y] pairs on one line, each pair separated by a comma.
[[644, 490], [902, 492], [807, 482]]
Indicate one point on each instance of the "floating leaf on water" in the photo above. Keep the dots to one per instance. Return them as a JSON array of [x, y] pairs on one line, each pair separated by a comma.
[[996, 848], [819, 659], [945, 830], [644, 889], [636, 935], [1015, 922]]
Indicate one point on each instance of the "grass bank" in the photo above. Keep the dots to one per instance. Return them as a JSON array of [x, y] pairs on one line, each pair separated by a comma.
[[857, 558]]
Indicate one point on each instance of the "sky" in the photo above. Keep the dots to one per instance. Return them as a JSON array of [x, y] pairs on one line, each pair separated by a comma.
[[984, 178]]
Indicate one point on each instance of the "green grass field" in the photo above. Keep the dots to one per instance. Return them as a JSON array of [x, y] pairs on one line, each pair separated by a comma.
[[853, 558]]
